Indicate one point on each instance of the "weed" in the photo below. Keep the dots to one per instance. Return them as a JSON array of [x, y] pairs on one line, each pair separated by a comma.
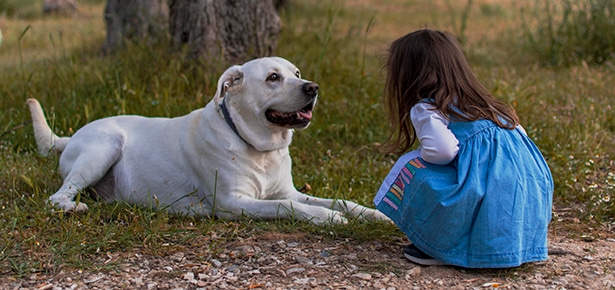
[[570, 32], [463, 19]]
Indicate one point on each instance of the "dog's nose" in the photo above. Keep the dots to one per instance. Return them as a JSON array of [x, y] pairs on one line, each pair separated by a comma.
[[310, 89]]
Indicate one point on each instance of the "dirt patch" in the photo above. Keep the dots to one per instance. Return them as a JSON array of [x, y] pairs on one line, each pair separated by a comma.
[[271, 260]]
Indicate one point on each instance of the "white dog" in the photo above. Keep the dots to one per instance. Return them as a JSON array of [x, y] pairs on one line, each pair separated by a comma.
[[229, 159]]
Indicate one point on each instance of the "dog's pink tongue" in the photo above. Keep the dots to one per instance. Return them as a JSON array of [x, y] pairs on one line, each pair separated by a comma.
[[306, 114]]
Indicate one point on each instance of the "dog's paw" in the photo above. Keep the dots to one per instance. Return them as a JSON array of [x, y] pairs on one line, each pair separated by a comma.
[[69, 206], [333, 217], [374, 215], [368, 214], [80, 207], [336, 217], [360, 212]]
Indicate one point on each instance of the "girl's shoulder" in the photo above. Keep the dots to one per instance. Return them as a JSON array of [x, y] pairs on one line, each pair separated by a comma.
[[424, 113], [426, 108], [425, 104], [423, 109]]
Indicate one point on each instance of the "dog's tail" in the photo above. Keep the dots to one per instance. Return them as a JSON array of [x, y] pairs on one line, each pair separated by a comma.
[[46, 141]]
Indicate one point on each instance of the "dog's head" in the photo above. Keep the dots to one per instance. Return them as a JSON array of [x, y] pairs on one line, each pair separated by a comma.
[[267, 98]]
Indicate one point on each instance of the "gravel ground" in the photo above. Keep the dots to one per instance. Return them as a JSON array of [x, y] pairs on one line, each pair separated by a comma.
[[272, 260]]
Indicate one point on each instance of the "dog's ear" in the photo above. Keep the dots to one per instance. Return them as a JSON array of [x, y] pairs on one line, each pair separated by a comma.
[[231, 80]]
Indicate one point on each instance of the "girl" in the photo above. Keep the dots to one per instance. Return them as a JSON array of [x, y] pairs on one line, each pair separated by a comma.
[[477, 192]]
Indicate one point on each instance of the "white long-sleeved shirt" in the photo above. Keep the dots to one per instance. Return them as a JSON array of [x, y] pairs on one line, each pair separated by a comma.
[[438, 144]]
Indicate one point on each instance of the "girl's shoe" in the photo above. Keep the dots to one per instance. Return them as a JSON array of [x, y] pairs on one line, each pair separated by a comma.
[[412, 253]]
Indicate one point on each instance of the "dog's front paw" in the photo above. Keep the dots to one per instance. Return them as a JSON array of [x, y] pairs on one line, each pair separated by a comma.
[[332, 217], [337, 218], [381, 217], [375, 215], [69, 205], [80, 207]]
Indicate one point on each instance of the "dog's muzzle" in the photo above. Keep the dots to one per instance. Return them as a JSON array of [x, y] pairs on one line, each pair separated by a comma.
[[296, 119]]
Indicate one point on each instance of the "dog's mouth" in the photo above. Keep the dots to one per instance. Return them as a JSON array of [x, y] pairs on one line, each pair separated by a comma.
[[296, 119]]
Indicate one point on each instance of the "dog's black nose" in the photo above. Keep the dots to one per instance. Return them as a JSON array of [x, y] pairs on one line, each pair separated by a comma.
[[310, 89]]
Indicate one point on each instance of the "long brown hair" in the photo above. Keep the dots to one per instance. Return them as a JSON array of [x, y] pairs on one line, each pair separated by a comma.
[[429, 64]]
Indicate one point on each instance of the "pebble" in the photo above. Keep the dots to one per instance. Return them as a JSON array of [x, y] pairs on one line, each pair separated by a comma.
[[216, 263], [188, 276], [177, 257], [303, 260], [410, 274], [363, 276], [294, 270]]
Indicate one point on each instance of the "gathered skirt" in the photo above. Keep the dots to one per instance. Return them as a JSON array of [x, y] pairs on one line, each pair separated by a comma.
[[489, 208]]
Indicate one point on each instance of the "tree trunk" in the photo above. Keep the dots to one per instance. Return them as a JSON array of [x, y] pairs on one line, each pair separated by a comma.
[[224, 30], [135, 20]]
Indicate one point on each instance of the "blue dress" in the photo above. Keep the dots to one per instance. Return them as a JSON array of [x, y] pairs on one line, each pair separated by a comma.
[[489, 208]]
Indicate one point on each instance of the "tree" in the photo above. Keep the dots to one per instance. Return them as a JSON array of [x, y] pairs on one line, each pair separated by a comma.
[[224, 30], [134, 20]]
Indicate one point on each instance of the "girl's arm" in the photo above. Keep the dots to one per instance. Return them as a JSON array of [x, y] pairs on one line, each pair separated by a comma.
[[438, 143]]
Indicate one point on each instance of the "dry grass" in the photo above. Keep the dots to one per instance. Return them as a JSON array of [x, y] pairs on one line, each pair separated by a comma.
[[28, 41]]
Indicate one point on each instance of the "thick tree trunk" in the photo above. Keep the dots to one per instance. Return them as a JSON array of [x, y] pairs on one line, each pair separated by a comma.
[[224, 30], [135, 20]]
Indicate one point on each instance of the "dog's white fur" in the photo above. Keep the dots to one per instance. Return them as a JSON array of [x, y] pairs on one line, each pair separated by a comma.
[[196, 164]]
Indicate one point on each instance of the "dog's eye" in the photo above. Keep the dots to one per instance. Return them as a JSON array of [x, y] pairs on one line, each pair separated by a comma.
[[273, 77], [298, 74]]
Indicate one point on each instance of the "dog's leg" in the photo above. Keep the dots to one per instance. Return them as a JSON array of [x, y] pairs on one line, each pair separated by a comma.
[[238, 206], [345, 206], [87, 164]]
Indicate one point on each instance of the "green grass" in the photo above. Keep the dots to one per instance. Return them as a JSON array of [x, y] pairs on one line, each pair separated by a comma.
[[570, 32], [568, 111]]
